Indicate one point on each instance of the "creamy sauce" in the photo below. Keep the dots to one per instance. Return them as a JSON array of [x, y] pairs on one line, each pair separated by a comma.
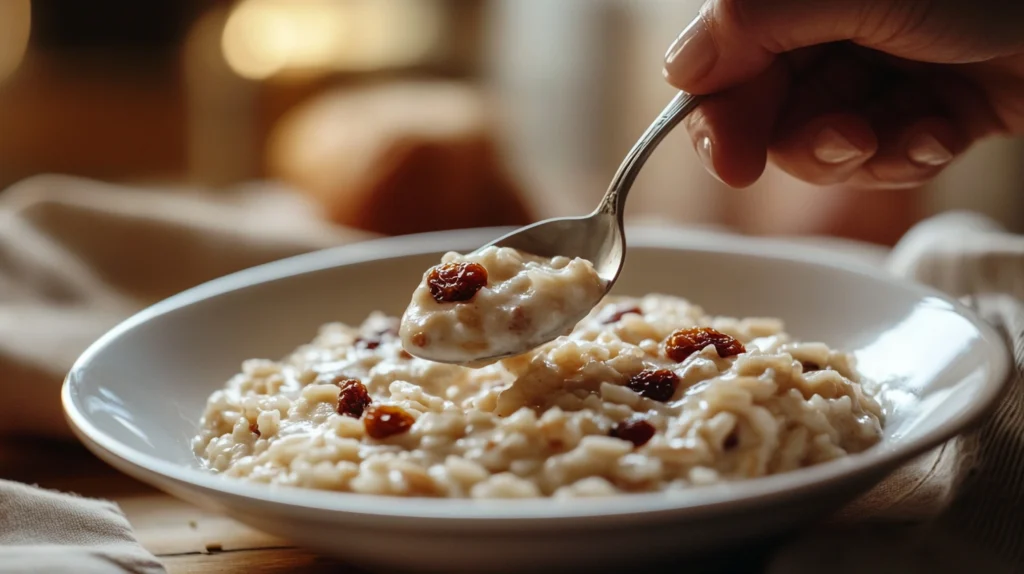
[[525, 301], [631, 401]]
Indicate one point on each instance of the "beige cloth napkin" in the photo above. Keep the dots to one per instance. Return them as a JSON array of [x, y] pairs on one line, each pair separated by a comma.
[[52, 533], [78, 256]]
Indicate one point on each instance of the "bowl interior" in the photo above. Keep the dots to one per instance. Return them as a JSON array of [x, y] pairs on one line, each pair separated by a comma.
[[141, 389]]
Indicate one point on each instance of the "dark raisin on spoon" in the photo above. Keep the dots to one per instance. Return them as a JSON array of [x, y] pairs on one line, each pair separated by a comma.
[[456, 282]]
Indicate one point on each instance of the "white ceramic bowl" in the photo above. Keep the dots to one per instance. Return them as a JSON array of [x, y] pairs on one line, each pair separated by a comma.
[[135, 397]]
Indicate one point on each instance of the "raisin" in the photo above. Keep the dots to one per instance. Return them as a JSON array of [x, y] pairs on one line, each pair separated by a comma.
[[732, 441], [614, 314], [456, 282], [686, 342], [636, 431], [353, 398], [657, 385], [382, 421], [253, 428], [809, 366]]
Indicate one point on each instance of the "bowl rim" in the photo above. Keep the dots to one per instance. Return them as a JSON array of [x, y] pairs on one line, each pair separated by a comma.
[[699, 500]]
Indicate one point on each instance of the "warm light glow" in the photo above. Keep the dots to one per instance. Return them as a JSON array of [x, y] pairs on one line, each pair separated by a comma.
[[15, 25], [263, 38]]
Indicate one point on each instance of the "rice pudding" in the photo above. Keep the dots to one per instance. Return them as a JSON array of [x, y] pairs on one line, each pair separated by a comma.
[[496, 302], [645, 394]]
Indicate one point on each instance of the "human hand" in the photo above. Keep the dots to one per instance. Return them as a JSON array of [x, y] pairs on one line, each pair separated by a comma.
[[878, 93]]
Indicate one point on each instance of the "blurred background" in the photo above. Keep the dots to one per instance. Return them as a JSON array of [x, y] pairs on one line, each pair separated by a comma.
[[397, 116]]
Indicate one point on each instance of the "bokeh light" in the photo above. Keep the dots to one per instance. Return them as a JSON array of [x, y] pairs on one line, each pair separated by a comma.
[[15, 27], [264, 38]]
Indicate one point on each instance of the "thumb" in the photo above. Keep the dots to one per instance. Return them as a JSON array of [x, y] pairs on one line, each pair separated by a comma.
[[732, 41]]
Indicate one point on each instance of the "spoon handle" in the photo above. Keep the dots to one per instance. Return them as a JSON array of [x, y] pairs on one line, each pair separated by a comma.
[[614, 201]]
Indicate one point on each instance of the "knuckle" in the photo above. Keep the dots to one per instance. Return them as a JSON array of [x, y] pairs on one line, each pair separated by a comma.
[[888, 23], [733, 15], [746, 19], [733, 12]]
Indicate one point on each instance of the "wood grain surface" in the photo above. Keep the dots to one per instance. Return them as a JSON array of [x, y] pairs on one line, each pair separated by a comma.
[[185, 538], [190, 540]]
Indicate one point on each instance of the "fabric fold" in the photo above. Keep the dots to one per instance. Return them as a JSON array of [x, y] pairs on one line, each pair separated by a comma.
[[44, 531]]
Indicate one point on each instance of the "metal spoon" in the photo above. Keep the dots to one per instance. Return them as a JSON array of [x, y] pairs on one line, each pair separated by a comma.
[[599, 237]]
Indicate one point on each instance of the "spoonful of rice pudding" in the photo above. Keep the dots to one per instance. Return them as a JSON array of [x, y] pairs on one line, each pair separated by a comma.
[[535, 284]]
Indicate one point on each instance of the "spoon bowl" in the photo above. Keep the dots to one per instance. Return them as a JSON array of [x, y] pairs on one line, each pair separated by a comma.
[[598, 238], [601, 237]]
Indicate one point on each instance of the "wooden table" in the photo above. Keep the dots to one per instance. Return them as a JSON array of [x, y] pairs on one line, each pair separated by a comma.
[[190, 540], [185, 538]]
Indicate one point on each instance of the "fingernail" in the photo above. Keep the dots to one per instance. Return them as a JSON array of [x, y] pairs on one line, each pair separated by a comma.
[[692, 55], [831, 147], [704, 145], [926, 150]]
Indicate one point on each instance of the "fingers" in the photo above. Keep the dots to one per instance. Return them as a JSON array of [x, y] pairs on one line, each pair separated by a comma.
[[822, 137], [837, 148], [913, 155], [732, 41], [918, 137], [829, 117], [827, 149], [731, 130]]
